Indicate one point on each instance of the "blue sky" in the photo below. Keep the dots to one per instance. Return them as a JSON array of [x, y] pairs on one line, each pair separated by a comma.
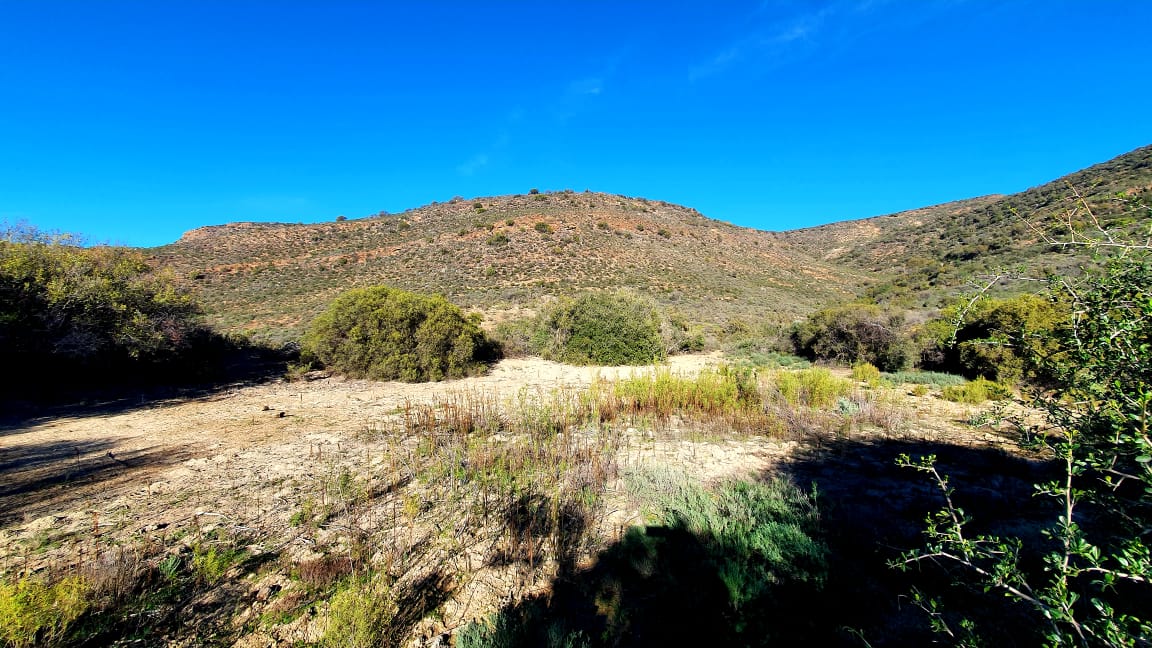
[[132, 122]]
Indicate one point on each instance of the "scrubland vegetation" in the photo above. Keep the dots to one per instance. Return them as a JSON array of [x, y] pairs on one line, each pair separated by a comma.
[[387, 334], [571, 515]]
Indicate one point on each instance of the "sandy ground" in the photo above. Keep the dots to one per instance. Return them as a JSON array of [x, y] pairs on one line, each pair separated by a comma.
[[159, 462], [248, 457]]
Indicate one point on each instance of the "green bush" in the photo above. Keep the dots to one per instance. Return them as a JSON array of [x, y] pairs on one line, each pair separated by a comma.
[[935, 378], [680, 336], [976, 392], [69, 312], [34, 613], [866, 372], [995, 338], [360, 614], [854, 333], [388, 334], [601, 329], [210, 563]]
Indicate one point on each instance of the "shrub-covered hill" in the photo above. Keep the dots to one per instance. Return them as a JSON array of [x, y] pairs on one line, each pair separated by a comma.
[[504, 253], [923, 255]]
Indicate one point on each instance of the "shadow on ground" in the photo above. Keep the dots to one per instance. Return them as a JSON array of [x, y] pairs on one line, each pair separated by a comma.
[[65, 473], [27, 397], [664, 586]]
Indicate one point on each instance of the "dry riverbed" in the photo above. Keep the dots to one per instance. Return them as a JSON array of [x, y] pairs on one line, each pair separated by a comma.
[[247, 460]]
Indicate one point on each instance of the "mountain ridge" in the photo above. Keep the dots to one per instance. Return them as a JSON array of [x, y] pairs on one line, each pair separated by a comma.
[[512, 253], [497, 253]]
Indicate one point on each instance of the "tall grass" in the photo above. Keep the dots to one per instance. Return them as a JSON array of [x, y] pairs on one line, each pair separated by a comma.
[[976, 392], [39, 613], [814, 387]]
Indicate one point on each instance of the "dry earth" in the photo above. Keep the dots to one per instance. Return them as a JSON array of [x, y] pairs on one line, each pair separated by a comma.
[[246, 459]]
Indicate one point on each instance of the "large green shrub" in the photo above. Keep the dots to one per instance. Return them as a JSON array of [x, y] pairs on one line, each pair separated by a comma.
[[68, 311], [389, 334], [601, 329], [995, 339], [854, 333]]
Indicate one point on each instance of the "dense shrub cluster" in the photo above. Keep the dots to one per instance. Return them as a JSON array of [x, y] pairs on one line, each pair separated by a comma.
[[600, 329], [73, 313], [990, 338], [389, 334], [854, 333], [994, 339]]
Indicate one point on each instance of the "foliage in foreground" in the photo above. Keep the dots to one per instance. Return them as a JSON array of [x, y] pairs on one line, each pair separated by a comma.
[[34, 613], [1094, 586], [385, 333]]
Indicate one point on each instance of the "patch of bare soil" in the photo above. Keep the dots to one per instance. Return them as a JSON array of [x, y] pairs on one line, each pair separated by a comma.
[[250, 460]]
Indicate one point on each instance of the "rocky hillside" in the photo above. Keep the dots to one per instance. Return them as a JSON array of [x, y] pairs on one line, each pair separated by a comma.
[[500, 254]]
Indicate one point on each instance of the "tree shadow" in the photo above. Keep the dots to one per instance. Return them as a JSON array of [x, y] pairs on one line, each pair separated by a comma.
[[420, 598], [37, 394], [64, 473], [874, 510], [665, 585], [534, 523]]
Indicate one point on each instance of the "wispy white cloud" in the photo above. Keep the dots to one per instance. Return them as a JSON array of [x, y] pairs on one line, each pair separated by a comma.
[[777, 34], [562, 104], [577, 97], [473, 164]]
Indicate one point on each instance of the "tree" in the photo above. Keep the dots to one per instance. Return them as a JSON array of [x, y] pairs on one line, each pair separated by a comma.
[[601, 329], [986, 338], [851, 334]]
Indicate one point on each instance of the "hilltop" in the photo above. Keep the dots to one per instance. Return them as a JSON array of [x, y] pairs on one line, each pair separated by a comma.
[[505, 253], [502, 255]]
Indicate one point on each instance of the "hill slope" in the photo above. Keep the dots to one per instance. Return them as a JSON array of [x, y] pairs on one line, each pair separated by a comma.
[[508, 253], [930, 252], [504, 253]]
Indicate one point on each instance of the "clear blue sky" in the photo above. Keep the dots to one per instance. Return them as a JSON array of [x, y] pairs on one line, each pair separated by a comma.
[[132, 122]]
